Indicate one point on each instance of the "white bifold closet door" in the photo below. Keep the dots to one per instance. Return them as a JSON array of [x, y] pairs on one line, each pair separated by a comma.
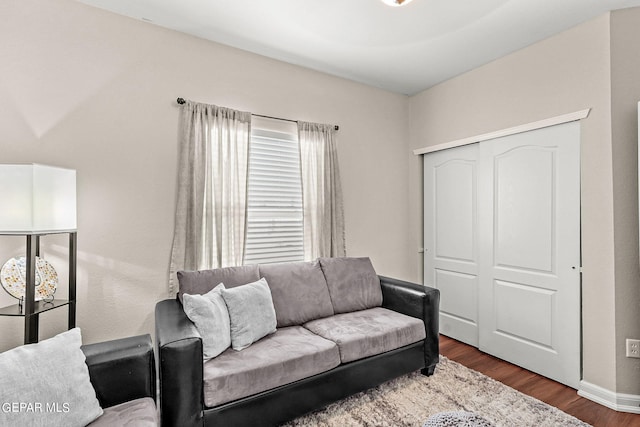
[[451, 238], [502, 243]]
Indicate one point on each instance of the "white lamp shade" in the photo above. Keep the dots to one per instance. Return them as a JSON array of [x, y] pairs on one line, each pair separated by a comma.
[[37, 199]]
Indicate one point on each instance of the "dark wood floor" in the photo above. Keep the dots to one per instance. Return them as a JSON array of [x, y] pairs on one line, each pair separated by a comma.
[[549, 391]]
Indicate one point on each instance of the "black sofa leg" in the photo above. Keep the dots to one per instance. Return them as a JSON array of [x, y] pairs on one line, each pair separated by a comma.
[[428, 371]]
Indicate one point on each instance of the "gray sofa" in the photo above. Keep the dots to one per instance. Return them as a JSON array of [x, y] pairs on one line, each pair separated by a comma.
[[341, 329]]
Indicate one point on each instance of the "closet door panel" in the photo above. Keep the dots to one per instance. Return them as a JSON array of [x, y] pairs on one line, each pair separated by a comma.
[[529, 287], [524, 209], [451, 244]]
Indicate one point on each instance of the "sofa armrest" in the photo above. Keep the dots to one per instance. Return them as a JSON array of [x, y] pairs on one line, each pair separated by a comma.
[[180, 366], [417, 301], [122, 370]]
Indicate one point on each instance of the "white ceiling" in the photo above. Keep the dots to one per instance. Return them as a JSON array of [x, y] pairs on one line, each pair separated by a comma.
[[402, 49]]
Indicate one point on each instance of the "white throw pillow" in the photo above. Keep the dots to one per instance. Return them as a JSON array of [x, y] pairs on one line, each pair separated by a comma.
[[209, 313], [251, 313], [47, 384]]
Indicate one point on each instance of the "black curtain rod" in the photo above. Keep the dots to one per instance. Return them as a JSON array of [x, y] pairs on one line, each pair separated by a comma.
[[182, 101]]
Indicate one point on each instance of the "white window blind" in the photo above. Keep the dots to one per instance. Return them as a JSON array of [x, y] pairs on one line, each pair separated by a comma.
[[274, 208]]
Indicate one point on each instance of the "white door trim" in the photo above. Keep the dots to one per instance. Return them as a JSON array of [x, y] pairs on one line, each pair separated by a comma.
[[552, 121]]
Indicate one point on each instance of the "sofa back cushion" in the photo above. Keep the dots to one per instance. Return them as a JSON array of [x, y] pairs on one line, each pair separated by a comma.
[[202, 281], [353, 284], [299, 292]]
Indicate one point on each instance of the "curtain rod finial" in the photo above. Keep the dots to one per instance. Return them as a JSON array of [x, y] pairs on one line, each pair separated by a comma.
[[181, 101]]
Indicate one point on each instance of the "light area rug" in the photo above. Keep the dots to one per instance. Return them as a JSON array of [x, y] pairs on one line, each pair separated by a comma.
[[410, 400]]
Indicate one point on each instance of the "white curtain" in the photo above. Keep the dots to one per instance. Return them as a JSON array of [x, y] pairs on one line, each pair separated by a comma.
[[321, 191], [210, 217]]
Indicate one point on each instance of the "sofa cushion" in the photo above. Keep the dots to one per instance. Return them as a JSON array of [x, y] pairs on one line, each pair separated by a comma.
[[364, 333], [202, 281], [210, 315], [289, 355], [139, 413], [353, 284], [299, 292], [251, 313]]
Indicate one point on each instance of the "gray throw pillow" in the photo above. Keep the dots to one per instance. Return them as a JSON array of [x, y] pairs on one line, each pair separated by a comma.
[[251, 313], [47, 384], [209, 313]]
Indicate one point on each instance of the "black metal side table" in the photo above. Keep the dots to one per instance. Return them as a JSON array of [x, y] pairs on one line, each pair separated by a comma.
[[31, 309]]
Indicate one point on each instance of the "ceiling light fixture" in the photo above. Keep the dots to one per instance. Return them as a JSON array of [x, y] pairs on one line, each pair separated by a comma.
[[396, 2]]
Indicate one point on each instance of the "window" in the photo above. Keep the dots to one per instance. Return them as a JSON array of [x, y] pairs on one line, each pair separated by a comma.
[[274, 205]]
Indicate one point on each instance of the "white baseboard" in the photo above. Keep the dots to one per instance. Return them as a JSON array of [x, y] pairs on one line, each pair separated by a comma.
[[617, 401]]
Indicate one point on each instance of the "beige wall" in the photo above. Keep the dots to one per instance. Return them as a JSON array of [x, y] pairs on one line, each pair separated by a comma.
[[594, 65], [625, 94], [94, 91], [565, 73]]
